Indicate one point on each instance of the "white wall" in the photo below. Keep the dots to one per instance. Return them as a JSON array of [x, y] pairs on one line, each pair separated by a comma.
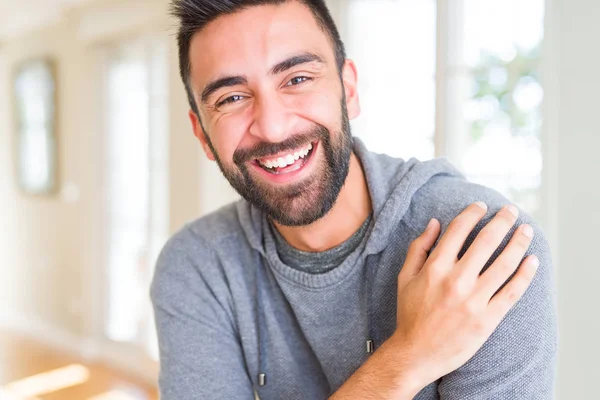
[[576, 161], [41, 247], [48, 245]]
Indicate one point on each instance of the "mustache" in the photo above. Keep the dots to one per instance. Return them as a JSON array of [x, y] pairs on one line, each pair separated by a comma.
[[266, 149]]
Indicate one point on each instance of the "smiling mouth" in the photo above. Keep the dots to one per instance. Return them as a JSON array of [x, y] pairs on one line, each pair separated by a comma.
[[289, 162]]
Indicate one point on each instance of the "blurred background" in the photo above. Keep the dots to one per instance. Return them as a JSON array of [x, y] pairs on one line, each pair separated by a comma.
[[98, 164]]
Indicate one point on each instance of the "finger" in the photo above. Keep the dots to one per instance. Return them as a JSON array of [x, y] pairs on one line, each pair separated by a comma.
[[488, 240], [506, 263], [418, 251], [502, 302], [458, 230]]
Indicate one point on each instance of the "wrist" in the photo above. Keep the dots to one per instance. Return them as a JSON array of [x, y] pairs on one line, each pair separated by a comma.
[[409, 378]]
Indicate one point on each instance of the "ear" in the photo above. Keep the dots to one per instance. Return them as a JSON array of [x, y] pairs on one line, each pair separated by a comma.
[[350, 81], [200, 134]]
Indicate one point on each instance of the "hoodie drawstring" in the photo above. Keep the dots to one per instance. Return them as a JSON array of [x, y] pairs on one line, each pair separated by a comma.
[[371, 340], [262, 336], [372, 335]]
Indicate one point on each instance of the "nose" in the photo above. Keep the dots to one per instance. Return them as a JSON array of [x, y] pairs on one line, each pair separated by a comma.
[[272, 119]]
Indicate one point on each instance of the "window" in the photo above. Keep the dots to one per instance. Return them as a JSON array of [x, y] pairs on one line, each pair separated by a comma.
[[473, 95], [136, 185], [393, 45], [503, 109]]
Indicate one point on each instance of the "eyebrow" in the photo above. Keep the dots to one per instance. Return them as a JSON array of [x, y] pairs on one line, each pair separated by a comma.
[[278, 68], [291, 62], [220, 83]]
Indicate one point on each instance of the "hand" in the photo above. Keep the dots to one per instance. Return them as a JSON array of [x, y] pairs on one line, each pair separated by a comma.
[[446, 308]]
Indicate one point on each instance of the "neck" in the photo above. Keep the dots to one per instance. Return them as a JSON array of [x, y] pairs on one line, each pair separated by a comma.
[[349, 212]]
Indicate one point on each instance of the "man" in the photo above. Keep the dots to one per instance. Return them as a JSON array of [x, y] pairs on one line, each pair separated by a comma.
[[323, 282]]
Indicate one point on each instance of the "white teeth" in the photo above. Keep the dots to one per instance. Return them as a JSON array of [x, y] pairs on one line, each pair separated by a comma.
[[288, 159]]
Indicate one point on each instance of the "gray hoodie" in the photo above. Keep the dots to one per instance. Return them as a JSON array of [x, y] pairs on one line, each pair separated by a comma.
[[228, 309]]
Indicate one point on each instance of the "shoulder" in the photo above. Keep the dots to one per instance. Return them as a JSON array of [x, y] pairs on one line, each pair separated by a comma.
[[206, 234], [192, 254], [215, 227], [444, 197]]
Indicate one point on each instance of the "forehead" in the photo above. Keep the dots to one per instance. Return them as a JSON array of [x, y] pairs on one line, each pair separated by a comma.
[[253, 40]]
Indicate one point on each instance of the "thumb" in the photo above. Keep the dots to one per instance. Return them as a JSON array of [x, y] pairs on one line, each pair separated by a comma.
[[418, 252]]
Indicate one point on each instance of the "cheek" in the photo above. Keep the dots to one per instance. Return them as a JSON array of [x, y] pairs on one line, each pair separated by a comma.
[[226, 136], [320, 108]]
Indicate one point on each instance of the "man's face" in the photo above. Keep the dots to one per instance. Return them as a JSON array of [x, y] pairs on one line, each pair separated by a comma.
[[274, 112]]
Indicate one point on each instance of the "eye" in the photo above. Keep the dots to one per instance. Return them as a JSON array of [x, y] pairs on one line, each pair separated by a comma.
[[297, 80], [231, 99]]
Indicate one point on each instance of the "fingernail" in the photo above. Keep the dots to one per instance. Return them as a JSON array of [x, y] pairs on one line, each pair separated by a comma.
[[481, 204], [535, 262], [513, 210], [528, 231], [429, 225]]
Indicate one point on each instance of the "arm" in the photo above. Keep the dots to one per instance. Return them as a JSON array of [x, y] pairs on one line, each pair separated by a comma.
[[385, 375], [197, 340], [446, 310], [518, 360]]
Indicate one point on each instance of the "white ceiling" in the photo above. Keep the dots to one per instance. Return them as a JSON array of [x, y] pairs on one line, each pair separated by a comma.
[[20, 16]]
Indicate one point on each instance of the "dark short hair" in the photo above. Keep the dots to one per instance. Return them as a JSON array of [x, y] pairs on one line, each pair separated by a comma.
[[194, 15]]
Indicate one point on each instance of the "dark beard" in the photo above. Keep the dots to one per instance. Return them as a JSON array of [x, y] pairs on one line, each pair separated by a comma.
[[304, 202]]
